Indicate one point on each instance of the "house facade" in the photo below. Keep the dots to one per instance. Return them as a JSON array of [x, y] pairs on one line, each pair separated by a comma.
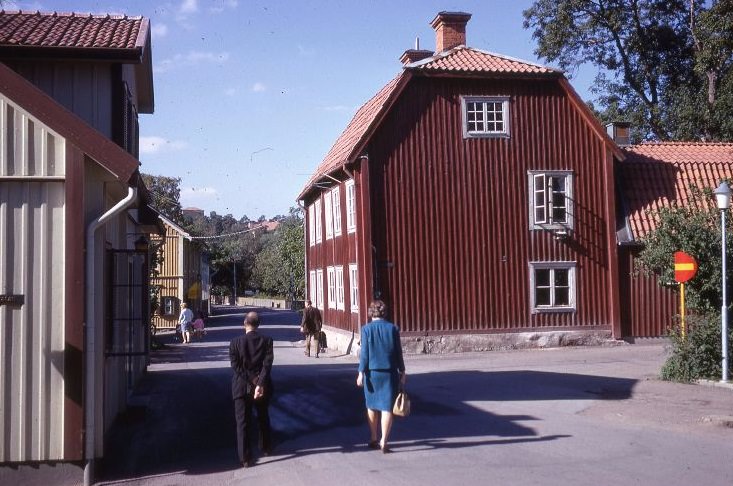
[[475, 193], [183, 275], [73, 225]]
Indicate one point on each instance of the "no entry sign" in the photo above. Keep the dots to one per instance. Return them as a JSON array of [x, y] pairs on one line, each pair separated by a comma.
[[685, 266]]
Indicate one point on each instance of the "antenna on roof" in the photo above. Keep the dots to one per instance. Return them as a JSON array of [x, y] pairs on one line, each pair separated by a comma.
[[417, 43]]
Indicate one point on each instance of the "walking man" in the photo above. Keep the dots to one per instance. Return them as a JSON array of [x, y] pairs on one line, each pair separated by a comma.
[[251, 358], [311, 327]]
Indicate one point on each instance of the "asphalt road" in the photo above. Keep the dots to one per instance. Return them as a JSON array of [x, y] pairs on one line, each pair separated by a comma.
[[561, 416]]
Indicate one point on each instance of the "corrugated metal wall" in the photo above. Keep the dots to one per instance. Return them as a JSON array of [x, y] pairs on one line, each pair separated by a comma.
[[648, 310], [450, 216], [32, 265]]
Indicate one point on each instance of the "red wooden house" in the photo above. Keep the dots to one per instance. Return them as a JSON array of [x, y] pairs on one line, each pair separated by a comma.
[[474, 193]]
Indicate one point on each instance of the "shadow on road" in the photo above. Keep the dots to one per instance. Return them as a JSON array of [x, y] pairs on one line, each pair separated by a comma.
[[185, 420]]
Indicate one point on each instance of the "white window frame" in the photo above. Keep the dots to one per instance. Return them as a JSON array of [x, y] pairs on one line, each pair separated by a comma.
[[311, 225], [340, 288], [319, 230], [312, 287], [350, 206], [487, 103], [319, 289], [572, 286], [541, 199], [336, 202], [354, 287], [328, 215], [331, 278]]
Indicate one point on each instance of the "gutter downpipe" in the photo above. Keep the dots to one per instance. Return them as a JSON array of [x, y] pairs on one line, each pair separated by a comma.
[[90, 337]]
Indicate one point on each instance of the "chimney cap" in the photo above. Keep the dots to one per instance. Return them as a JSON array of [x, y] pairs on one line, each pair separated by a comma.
[[414, 55], [450, 17]]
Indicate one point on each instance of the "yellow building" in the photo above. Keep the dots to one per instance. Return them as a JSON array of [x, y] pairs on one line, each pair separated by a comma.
[[183, 276]]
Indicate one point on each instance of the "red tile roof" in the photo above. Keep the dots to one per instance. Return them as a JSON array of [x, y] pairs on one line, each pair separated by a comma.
[[71, 30], [660, 175], [468, 60], [365, 117]]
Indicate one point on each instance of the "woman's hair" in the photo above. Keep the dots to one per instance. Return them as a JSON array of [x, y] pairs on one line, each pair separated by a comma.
[[377, 309]]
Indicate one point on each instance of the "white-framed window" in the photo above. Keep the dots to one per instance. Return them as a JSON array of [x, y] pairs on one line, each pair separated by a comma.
[[353, 287], [550, 199], [319, 289], [336, 201], [312, 288], [319, 230], [169, 306], [311, 226], [350, 206], [552, 286], [339, 287], [331, 278], [328, 215], [485, 116]]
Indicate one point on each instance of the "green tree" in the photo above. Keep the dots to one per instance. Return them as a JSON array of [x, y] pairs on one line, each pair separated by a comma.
[[279, 267], [664, 65], [165, 194]]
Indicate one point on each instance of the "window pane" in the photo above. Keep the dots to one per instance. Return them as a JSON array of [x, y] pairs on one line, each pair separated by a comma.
[[559, 215], [542, 278], [558, 184], [562, 297], [561, 278], [542, 297]]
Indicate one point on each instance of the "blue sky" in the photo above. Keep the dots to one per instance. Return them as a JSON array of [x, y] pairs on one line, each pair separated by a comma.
[[250, 95]]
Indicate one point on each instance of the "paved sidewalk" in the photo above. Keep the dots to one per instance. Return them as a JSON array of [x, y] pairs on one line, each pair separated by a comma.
[[571, 416]]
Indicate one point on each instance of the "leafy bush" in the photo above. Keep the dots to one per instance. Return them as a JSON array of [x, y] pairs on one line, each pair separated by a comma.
[[699, 355]]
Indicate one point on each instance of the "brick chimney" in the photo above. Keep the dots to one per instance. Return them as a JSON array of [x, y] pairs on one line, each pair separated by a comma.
[[620, 132], [450, 30]]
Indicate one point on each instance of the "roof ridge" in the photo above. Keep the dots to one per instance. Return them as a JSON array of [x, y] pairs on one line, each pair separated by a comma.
[[514, 59], [648, 143], [72, 14]]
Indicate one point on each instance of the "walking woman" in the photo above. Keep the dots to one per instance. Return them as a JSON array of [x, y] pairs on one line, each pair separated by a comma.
[[381, 372]]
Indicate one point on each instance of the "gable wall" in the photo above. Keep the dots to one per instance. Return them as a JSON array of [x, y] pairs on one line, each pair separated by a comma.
[[450, 216]]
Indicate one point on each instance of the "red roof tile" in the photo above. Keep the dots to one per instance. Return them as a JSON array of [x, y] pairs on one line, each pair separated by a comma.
[[468, 60], [365, 117], [660, 175], [70, 30]]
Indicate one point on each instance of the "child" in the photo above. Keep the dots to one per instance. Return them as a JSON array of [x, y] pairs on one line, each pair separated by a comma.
[[198, 326]]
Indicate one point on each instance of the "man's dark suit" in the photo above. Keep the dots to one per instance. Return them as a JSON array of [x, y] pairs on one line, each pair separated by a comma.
[[251, 357]]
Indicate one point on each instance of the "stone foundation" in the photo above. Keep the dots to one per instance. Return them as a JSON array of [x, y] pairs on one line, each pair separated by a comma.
[[348, 343]]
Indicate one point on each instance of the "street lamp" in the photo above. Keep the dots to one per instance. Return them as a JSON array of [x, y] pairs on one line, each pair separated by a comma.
[[722, 197]]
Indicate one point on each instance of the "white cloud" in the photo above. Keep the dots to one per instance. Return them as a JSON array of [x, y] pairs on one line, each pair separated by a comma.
[[188, 6], [193, 58], [230, 91], [156, 145], [258, 87], [159, 30], [221, 5]]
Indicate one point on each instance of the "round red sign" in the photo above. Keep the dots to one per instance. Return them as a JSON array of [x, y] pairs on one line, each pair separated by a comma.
[[685, 266]]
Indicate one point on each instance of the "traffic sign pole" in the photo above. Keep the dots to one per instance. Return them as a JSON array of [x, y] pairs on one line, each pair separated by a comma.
[[682, 309]]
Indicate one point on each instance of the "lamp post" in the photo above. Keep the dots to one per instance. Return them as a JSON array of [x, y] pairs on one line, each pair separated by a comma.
[[722, 197]]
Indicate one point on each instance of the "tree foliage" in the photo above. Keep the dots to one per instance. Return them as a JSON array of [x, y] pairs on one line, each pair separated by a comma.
[[279, 268], [664, 65], [165, 194]]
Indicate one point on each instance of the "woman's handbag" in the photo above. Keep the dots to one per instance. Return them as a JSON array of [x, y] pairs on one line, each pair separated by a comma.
[[401, 405]]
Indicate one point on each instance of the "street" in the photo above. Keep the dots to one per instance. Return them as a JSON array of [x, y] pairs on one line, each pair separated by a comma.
[[571, 416]]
